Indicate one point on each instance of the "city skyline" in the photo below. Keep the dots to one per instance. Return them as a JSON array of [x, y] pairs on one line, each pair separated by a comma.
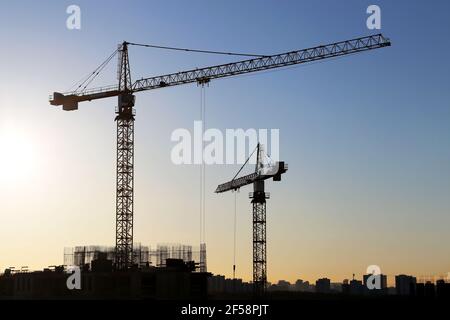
[[195, 254], [365, 136]]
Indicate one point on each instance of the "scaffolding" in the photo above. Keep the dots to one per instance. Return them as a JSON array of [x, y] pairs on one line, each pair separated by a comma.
[[203, 265], [143, 256]]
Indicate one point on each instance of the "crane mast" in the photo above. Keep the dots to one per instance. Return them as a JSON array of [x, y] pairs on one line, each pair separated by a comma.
[[125, 117], [125, 164], [259, 197]]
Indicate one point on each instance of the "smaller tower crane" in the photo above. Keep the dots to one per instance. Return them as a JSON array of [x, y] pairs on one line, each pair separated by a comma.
[[259, 197]]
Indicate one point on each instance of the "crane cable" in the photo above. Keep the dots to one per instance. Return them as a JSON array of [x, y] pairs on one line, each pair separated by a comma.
[[87, 80], [235, 214], [197, 50], [245, 163], [100, 69], [203, 168], [234, 235], [84, 82], [201, 173]]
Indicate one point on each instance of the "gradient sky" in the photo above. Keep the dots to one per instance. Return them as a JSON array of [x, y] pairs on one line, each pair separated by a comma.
[[366, 137]]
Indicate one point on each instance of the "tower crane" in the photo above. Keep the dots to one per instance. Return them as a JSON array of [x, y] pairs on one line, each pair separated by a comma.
[[126, 89], [259, 197]]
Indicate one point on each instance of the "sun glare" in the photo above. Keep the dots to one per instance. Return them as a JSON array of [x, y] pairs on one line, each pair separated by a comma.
[[17, 156]]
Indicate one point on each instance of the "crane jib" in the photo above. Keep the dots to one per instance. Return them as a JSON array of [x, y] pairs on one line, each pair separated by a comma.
[[281, 167], [264, 63], [70, 100]]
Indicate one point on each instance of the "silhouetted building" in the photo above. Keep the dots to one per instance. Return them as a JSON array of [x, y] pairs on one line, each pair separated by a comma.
[[218, 284], [345, 287], [391, 291], [405, 285], [430, 291], [425, 290], [336, 287], [420, 290], [102, 264], [323, 285], [299, 285], [283, 285], [302, 286], [356, 287], [442, 289], [174, 281]]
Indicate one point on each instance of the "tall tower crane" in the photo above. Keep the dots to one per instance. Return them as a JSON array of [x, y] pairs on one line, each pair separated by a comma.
[[125, 112], [258, 196]]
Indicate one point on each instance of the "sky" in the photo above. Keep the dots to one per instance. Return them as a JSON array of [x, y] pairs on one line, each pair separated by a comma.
[[366, 136]]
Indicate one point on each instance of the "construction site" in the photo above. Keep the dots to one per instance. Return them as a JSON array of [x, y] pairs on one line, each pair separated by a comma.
[[174, 279], [224, 159], [170, 271], [130, 270], [143, 256]]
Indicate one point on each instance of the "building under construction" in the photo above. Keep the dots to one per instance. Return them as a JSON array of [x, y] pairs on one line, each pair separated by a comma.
[[168, 272], [143, 256]]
